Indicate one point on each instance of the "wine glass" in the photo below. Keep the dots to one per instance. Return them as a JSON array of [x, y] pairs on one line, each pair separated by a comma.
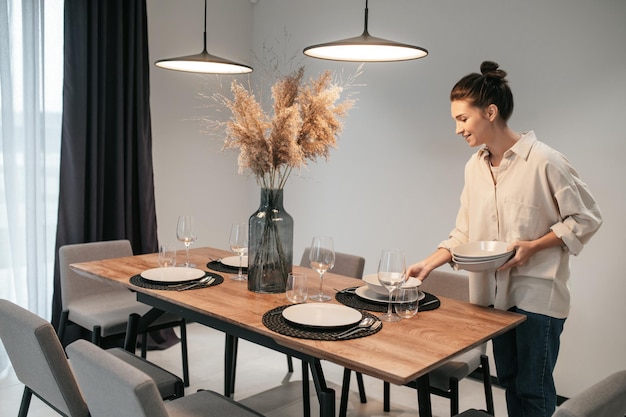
[[321, 258], [239, 245], [186, 234], [167, 255], [391, 275]]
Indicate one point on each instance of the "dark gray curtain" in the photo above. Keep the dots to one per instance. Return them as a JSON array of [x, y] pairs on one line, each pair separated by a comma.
[[106, 178]]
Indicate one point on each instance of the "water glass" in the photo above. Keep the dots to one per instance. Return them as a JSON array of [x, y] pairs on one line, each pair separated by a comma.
[[297, 289], [167, 255], [407, 300]]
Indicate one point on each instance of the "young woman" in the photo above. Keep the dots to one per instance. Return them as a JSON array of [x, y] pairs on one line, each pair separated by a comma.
[[521, 191]]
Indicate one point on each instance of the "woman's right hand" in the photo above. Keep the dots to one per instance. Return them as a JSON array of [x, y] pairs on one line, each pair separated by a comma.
[[420, 270]]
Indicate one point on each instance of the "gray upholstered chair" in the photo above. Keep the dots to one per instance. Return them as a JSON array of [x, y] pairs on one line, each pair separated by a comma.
[[101, 308], [606, 398], [350, 266], [444, 381], [113, 388], [40, 363]]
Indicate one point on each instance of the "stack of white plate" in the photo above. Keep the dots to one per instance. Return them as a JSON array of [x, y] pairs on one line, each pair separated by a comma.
[[481, 256]]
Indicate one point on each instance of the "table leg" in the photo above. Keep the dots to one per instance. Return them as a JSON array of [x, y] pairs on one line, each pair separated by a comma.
[[423, 396], [306, 396], [325, 395], [230, 364]]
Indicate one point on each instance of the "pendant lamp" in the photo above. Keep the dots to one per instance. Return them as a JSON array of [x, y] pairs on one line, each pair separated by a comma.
[[204, 62], [365, 48]]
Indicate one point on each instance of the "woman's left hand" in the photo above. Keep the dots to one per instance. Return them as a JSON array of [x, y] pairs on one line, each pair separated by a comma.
[[524, 249]]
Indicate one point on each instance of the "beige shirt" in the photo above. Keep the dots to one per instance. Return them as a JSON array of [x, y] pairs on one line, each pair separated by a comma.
[[537, 191]]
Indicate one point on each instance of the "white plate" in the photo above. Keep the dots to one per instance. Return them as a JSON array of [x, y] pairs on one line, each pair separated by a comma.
[[368, 294], [372, 282], [322, 315], [234, 261], [172, 274], [481, 249]]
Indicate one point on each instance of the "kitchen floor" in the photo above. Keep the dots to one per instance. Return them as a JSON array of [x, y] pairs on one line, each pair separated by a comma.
[[264, 384]]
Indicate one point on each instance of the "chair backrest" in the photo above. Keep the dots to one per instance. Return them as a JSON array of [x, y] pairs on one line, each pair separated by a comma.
[[345, 264], [606, 398], [38, 359], [111, 386], [447, 284], [73, 286]]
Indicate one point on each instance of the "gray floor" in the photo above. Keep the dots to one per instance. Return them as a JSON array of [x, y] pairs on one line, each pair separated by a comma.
[[264, 384]]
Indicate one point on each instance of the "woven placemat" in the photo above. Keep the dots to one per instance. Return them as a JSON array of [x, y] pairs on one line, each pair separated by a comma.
[[139, 281], [220, 267], [275, 321], [349, 298]]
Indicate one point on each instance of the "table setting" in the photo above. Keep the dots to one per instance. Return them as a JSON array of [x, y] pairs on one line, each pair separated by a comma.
[[321, 321], [175, 278]]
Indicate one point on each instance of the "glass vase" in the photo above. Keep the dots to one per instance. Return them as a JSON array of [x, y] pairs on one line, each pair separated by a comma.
[[270, 244]]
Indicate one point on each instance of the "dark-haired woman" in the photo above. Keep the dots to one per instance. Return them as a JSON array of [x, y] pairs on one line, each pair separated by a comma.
[[521, 191]]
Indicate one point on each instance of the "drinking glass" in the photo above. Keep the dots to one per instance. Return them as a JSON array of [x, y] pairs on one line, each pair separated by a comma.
[[239, 245], [322, 258], [167, 255], [391, 275], [297, 289], [407, 301], [186, 234]]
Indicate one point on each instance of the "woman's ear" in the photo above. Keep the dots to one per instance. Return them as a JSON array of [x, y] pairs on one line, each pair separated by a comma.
[[491, 112]]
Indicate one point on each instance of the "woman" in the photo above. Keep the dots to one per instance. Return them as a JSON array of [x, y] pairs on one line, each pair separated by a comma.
[[517, 190]]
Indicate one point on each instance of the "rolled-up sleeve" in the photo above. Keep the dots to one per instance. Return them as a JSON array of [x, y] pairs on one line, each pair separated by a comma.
[[581, 216]]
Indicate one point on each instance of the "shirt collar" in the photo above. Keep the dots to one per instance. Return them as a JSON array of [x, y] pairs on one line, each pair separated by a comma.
[[521, 148]]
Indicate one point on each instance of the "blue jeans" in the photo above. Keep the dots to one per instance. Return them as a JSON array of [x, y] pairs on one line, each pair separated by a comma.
[[525, 358]]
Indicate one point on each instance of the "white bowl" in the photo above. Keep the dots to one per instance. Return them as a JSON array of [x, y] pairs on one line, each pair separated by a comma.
[[481, 249], [482, 266], [373, 284]]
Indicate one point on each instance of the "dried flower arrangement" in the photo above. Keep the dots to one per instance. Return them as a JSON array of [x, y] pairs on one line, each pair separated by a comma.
[[306, 121]]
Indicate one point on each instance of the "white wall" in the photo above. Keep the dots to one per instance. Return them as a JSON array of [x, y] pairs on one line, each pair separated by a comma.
[[396, 177]]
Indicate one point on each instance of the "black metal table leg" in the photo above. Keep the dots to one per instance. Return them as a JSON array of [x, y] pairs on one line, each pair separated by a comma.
[[230, 364], [325, 395], [423, 396]]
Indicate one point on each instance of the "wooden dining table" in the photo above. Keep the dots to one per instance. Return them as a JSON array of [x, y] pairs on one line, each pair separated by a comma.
[[401, 352]]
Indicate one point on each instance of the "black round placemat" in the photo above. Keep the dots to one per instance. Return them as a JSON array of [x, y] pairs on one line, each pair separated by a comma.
[[139, 281], [349, 298], [275, 321], [220, 267]]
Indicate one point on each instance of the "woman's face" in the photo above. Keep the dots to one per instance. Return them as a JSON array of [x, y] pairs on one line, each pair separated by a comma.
[[471, 122]]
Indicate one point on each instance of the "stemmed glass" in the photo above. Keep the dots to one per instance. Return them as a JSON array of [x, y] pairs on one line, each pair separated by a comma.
[[391, 275], [239, 245], [322, 258], [186, 234]]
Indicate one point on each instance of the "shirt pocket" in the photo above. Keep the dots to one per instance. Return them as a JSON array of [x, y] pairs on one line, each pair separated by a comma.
[[520, 220]]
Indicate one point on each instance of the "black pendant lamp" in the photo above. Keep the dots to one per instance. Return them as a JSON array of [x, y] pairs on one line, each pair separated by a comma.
[[204, 62], [365, 48]]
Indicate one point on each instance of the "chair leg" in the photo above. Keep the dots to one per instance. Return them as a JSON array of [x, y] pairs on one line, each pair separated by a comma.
[[26, 396], [386, 396], [359, 381], [484, 366], [289, 363], [63, 324], [96, 335], [454, 396], [144, 345], [184, 351]]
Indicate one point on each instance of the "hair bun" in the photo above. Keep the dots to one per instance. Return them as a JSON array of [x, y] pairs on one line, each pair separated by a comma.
[[490, 69]]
